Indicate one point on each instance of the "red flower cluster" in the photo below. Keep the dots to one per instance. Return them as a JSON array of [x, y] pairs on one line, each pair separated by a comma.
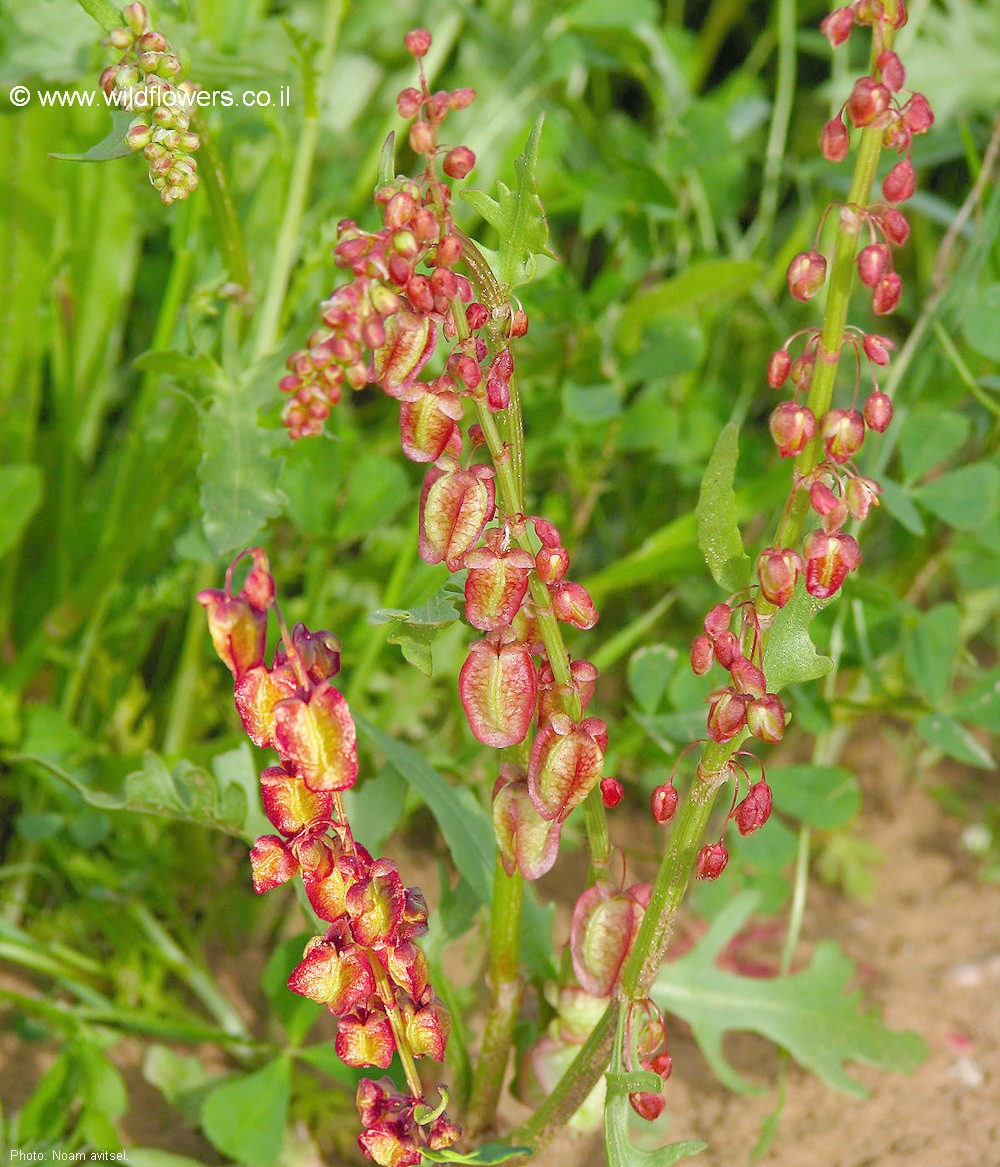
[[366, 968]]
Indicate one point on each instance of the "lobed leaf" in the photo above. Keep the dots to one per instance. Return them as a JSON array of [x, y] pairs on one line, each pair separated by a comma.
[[790, 656]]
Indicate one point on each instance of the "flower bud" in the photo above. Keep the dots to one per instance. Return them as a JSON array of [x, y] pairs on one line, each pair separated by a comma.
[[458, 162], [726, 648], [873, 263], [612, 792], [647, 1105], [835, 140], [778, 367], [877, 349], [829, 558], [900, 183], [859, 494], [868, 101], [777, 571], [418, 42], [663, 803], [843, 434], [712, 860], [766, 719], [747, 678], [702, 654], [755, 809], [837, 26], [917, 114], [891, 68], [895, 226], [421, 138], [792, 427], [727, 714], [831, 509], [408, 103], [886, 293], [806, 274], [136, 17], [878, 412]]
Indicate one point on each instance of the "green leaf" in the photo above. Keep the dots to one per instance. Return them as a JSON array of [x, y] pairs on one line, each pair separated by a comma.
[[45, 1115], [718, 530], [376, 489], [590, 404], [820, 796], [386, 162], [618, 1145], [416, 630], [928, 438], [965, 499], [931, 650], [113, 146], [980, 324], [649, 670], [237, 473], [980, 703], [245, 1115], [790, 655], [105, 13], [955, 739], [182, 1080], [705, 283], [21, 491], [598, 14], [466, 827], [518, 217], [296, 1014], [809, 1013], [323, 1055], [898, 502], [487, 1153]]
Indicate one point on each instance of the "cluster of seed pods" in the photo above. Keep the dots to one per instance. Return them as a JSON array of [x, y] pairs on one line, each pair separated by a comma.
[[382, 328], [366, 968], [148, 80]]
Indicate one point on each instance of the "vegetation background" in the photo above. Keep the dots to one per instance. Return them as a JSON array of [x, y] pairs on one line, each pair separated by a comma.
[[141, 983]]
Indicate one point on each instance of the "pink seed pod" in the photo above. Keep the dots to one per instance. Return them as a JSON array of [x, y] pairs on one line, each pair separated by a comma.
[[806, 274], [861, 494], [778, 368], [316, 739], [766, 719], [565, 765], [455, 507], [663, 803], [777, 571], [612, 792], [747, 678], [702, 654], [917, 114], [837, 26], [900, 183], [495, 587], [755, 809], [428, 426], [647, 1105], [868, 101], [551, 564], [408, 103], [891, 68], [835, 140], [605, 924], [726, 648], [421, 138], [843, 434], [572, 604], [336, 973], [718, 620], [896, 226], [712, 860], [829, 559], [831, 509], [792, 427], [886, 293], [237, 629], [877, 348], [878, 412], [458, 162], [272, 863], [289, 804], [462, 98], [527, 843], [409, 343], [727, 714], [418, 42], [873, 263], [498, 687]]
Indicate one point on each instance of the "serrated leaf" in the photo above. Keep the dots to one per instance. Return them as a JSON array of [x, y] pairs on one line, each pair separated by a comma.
[[21, 491], [820, 796], [809, 1013], [245, 1115], [237, 473], [518, 217], [790, 656], [718, 530], [466, 827], [112, 146]]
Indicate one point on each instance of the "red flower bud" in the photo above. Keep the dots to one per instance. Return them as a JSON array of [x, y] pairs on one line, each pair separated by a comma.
[[885, 295], [648, 1105], [878, 412], [868, 101], [458, 162], [663, 803], [835, 140], [718, 620], [877, 349], [778, 367], [777, 571], [498, 687], [837, 26], [551, 564], [766, 719], [891, 68], [829, 558], [806, 274], [748, 678], [727, 649], [421, 138], [860, 494], [461, 98], [612, 792], [755, 809], [712, 860], [900, 183], [408, 103], [843, 434], [895, 226], [727, 714], [572, 604], [873, 263], [827, 505], [792, 427], [702, 654], [418, 42], [917, 114]]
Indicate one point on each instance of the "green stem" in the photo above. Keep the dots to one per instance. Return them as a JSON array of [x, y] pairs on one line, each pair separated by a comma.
[[286, 249], [506, 991], [184, 699]]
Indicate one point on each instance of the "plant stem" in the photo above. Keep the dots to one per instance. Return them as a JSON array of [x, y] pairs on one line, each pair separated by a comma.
[[506, 991], [286, 249], [185, 694]]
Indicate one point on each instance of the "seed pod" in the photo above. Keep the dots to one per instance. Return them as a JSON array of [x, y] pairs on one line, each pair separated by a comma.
[[777, 571], [564, 767], [806, 274], [455, 506], [289, 803], [878, 411], [527, 842], [495, 586], [272, 863], [428, 425], [766, 718], [316, 739], [755, 809], [409, 342], [663, 803], [498, 688], [829, 558], [712, 860], [792, 427], [603, 931]]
